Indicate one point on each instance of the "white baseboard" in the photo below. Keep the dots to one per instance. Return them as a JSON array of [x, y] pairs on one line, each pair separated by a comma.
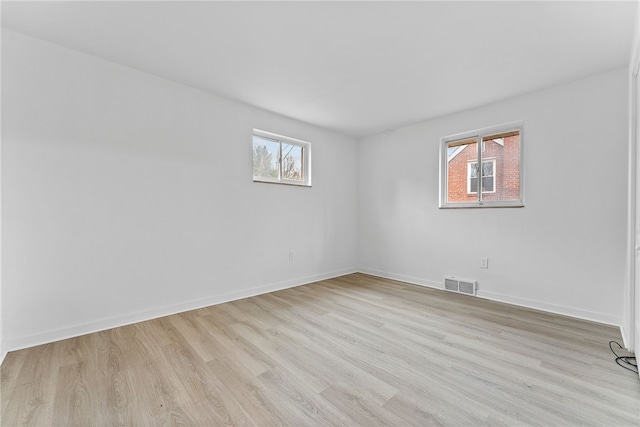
[[637, 339], [18, 343], [552, 308], [12, 344], [403, 278], [636, 343], [3, 353], [626, 337]]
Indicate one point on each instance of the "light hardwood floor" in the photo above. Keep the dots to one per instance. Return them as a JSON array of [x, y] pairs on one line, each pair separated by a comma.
[[355, 350]]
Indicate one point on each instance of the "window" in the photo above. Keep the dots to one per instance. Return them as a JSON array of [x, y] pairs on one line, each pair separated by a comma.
[[280, 159], [488, 176], [498, 183]]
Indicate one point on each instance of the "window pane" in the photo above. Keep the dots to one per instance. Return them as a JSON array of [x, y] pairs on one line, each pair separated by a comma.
[[487, 168], [281, 159], [497, 177], [461, 171], [487, 183], [292, 162], [265, 158], [473, 170], [504, 148], [473, 186]]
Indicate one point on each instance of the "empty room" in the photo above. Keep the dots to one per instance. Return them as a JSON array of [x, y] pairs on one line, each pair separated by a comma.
[[319, 213]]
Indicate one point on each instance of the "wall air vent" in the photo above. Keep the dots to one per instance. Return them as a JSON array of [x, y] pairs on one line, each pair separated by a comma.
[[461, 286]]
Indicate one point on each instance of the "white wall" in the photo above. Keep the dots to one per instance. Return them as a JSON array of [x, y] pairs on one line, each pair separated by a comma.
[[634, 287], [126, 197], [631, 319], [629, 315], [3, 351], [565, 251]]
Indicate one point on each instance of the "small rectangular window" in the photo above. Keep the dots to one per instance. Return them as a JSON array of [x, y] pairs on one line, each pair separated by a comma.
[[281, 159], [498, 183], [488, 176]]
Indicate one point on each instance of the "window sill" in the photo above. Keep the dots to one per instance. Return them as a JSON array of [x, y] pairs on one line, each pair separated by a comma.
[[485, 205], [291, 183]]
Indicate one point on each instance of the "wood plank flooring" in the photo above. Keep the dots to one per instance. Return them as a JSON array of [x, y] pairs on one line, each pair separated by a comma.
[[355, 350]]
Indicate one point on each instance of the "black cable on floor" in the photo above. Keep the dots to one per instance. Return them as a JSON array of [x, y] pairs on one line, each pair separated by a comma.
[[627, 362]]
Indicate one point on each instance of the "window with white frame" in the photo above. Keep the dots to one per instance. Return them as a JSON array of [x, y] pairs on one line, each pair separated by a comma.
[[498, 183], [488, 176], [280, 159]]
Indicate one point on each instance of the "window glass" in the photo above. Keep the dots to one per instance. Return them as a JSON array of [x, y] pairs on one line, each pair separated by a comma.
[[292, 162], [499, 177], [505, 148], [460, 172], [280, 159], [265, 158]]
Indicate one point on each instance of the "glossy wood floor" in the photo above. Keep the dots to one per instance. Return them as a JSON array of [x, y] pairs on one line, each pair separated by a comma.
[[355, 350]]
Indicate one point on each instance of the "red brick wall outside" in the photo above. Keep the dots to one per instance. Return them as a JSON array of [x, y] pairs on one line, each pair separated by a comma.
[[507, 171]]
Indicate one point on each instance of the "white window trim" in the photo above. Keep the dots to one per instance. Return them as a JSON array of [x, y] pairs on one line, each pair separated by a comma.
[[479, 134], [475, 191], [306, 159]]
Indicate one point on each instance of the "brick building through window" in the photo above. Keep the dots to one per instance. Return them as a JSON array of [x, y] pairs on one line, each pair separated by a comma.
[[501, 169]]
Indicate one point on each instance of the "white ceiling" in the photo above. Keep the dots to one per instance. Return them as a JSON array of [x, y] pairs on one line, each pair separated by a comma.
[[358, 68]]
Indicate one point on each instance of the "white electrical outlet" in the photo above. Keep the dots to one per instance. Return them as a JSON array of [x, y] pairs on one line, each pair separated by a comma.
[[290, 255], [484, 262]]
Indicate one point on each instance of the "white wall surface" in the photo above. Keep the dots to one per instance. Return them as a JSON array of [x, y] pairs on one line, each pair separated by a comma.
[[127, 197], [633, 292], [3, 351], [565, 251], [628, 327]]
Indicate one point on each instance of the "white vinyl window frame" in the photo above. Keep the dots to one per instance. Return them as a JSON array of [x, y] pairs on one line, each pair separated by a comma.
[[305, 159], [478, 135], [470, 189]]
